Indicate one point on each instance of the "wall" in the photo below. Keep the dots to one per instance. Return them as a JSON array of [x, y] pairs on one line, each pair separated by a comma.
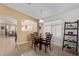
[[22, 36], [72, 15], [54, 27]]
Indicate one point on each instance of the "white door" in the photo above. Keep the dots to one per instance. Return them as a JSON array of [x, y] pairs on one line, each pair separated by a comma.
[[56, 31]]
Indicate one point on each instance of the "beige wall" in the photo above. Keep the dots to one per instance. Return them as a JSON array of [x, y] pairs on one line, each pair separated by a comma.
[[22, 37]]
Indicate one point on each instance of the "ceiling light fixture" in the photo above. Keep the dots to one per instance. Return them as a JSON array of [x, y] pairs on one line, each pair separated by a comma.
[[41, 21], [29, 4]]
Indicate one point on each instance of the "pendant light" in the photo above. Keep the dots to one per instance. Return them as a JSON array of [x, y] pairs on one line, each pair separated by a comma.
[[41, 21]]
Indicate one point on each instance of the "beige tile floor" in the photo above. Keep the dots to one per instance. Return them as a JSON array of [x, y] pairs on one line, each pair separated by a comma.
[[8, 48]]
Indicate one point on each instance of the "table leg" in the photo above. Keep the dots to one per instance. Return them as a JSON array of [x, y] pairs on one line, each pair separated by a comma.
[[40, 46]]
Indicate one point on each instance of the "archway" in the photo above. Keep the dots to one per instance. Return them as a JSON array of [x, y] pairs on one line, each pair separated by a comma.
[[8, 29]]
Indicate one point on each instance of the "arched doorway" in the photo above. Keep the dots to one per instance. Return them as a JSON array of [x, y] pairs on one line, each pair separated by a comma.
[[7, 29]]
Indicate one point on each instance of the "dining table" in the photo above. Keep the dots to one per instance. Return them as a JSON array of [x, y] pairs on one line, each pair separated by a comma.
[[39, 41]]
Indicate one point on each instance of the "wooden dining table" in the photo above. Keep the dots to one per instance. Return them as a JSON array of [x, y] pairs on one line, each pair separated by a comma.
[[39, 41]]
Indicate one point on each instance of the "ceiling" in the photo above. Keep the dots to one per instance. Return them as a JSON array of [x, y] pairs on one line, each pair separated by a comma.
[[7, 20], [48, 9]]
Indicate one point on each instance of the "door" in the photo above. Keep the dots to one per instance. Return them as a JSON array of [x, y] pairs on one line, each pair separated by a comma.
[[56, 31]]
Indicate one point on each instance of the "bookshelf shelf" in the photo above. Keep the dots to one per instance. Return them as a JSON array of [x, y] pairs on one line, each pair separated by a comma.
[[71, 28], [70, 41], [71, 34]]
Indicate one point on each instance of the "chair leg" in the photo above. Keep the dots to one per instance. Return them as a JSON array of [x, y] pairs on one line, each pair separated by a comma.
[[45, 49], [32, 45], [35, 47], [40, 46], [50, 47], [47, 46]]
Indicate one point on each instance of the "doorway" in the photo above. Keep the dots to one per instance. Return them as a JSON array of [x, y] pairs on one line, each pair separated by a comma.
[[54, 27], [7, 30]]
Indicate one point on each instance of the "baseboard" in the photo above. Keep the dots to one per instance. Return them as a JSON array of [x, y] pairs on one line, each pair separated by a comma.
[[23, 42], [57, 45], [61, 47]]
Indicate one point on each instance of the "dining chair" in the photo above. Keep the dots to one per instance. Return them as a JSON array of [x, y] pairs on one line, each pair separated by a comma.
[[47, 42], [34, 40]]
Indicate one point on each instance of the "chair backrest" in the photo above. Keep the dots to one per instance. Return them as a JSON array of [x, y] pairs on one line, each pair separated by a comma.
[[36, 34], [47, 33], [32, 36], [48, 38], [51, 36]]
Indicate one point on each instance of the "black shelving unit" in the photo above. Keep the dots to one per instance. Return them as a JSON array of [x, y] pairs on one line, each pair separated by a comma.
[[70, 34]]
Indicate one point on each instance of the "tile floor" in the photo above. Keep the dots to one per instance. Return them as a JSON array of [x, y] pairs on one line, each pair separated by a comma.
[[8, 48]]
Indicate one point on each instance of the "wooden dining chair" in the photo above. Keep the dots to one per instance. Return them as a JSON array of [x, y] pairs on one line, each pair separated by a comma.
[[34, 40], [47, 41]]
